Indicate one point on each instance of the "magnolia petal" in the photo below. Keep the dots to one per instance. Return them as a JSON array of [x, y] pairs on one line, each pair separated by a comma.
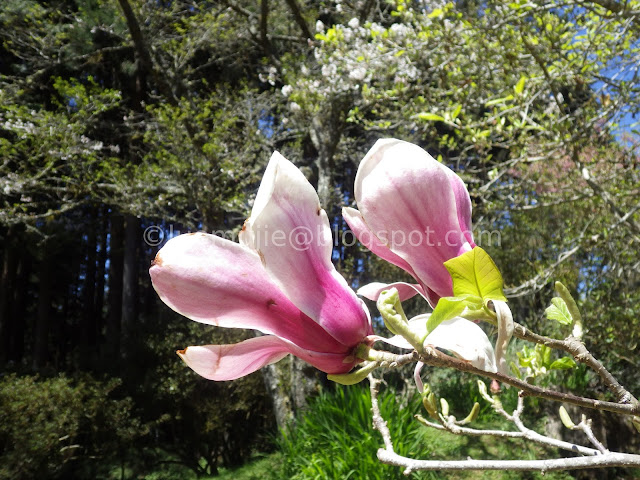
[[432, 297], [291, 233], [463, 206], [405, 290], [228, 362], [405, 196], [466, 340], [505, 332], [463, 338], [396, 341], [218, 282], [364, 234]]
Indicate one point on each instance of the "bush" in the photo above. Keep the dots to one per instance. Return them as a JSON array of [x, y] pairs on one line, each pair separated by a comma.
[[61, 427]]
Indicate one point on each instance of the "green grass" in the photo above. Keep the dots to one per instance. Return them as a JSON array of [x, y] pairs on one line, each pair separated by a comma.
[[336, 441], [264, 467]]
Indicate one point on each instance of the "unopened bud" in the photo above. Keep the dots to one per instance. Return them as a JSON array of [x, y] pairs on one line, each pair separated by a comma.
[[636, 423], [482, 387], [495, 387], [354, 377], [444, 407], [473, 414], [565, 418], [429, 403], [395, 319]]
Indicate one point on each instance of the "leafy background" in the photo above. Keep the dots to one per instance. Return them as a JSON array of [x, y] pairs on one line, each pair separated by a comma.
[[120, 116]]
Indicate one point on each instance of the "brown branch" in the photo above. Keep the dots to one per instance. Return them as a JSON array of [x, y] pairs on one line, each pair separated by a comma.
[[618, 8], [388, 456], [136, 35], [439, 359], [264, 16], [540, 280], [578, 350], [297, 14], [602, 193]]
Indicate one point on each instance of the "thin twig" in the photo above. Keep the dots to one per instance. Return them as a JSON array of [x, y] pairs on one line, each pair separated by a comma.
[[528, 435], [599, 461], [439, 359], [585, 427], [388, 456], [379, 423], [576, 348]]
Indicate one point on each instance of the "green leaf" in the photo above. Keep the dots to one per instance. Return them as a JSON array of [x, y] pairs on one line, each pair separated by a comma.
[[456, 111], [497, 101], [514, 369], [519, 88], [572, 306], [474, 273], [432, 117], [563, 363], [449, 307], [559, 311], [437, 12], [544, 355]]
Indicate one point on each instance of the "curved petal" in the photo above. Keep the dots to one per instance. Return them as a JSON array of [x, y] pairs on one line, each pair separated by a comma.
[[405, 290], [228, 362], [405, 196], [466, 340], [463, 206], [396, 341], [364, 234], [215, 281], [432, 297], [463, 338], [291, 233]]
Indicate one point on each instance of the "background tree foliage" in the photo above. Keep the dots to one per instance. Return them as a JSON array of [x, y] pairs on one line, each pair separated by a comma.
[[119, 116]]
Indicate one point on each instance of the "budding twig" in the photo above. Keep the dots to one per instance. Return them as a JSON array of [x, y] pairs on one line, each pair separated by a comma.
[[439, 359], [576, 348]]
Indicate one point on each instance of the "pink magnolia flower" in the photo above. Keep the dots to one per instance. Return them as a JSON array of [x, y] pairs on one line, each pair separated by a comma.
[[413, 212], [279, 280]]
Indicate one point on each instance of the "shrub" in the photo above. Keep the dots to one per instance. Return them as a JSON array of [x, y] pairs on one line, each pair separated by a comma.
[[58, 427]]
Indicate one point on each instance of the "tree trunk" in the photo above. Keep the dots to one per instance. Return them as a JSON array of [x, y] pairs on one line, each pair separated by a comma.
[[7, 280], [41, 341], [100, 273], [130, 280], [18, 316], [88, 328], [280, 400], [289, 384], [116, 267], [325, 139]]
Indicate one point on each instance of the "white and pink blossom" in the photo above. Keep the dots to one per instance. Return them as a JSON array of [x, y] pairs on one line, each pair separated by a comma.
[[278, 280], [413, 212]]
